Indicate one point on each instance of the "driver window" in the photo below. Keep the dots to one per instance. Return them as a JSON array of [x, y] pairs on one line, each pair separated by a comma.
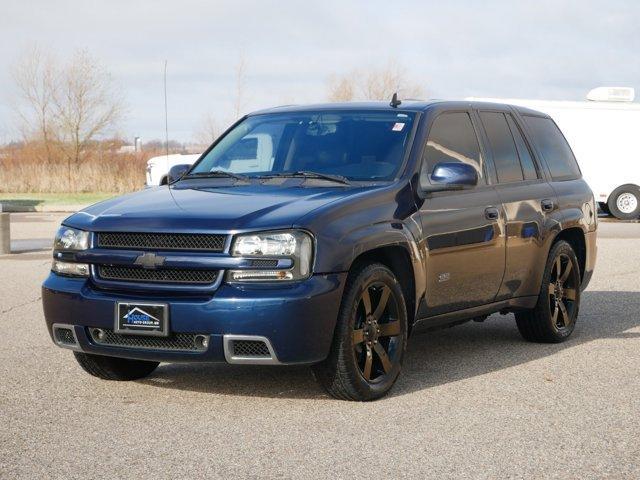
[[452, 138]]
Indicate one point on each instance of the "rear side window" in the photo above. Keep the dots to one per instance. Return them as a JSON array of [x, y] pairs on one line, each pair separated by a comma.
[[452, 139], [505, 155], [554, 148], [526, 160]]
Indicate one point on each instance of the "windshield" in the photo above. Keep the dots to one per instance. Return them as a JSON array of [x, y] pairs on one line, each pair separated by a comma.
[[356, 145]]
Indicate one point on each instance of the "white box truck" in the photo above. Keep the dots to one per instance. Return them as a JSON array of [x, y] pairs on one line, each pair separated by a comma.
[[604, 133]]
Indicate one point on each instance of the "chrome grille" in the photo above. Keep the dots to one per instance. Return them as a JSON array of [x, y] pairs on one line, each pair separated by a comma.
[[165, 275], [162, 241], [176, 341]]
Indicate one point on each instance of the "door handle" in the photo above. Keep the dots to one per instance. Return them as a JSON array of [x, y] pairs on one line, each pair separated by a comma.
[[547, 205], [491, 213]]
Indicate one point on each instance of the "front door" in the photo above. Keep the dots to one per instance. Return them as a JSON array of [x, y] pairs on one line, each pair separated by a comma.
[[463, 230]]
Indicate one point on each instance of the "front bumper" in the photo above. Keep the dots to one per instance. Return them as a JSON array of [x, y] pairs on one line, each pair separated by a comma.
[[297, 319]]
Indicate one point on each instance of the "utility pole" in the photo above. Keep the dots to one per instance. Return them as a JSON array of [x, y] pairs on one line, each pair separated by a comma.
[[166, 115]]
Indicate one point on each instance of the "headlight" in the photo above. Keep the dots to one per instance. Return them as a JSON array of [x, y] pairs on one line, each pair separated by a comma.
[[293, 244], [70, 239]]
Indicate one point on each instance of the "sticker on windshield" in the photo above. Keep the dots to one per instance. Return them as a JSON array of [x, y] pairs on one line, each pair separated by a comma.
[[397, 127]]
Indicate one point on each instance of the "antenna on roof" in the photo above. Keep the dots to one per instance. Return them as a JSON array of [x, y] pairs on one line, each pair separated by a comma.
[[394, 101]]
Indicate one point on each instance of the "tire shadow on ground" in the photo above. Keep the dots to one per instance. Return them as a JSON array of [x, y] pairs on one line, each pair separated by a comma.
[[433, 358]]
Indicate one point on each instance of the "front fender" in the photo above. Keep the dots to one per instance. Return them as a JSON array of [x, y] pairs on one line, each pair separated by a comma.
[[380, 235]]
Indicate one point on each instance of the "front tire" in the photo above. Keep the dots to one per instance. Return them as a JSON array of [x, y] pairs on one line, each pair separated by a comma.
[[370, 338], [113, 368], [624, 202], [554, 317]]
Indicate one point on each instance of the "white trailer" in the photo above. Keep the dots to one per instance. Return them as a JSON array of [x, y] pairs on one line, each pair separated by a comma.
[[604, 133]]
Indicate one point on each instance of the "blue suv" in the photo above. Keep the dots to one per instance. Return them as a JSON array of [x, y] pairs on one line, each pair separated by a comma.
[[326, 235]]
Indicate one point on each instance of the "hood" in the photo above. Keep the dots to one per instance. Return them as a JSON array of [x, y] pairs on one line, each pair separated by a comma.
[[250, 207]]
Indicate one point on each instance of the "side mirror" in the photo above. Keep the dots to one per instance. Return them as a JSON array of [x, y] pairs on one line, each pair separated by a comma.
[[450, 176], [177, 172]]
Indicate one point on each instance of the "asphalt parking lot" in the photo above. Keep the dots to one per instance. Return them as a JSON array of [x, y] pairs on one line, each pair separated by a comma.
[[474, 401]]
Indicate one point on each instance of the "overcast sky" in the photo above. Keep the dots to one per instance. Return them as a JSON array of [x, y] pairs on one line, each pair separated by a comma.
[[536, 49]]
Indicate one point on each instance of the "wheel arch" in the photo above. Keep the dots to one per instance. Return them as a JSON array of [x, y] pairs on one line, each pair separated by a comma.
[[397, 258], [574, 236]]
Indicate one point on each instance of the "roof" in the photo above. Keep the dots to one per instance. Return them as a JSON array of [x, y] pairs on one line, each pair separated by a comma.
[[410, 106], [405, 106]]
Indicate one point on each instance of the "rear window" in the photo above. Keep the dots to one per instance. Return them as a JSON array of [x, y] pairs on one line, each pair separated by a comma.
[[526, 160], [505, 155], [554, 148]]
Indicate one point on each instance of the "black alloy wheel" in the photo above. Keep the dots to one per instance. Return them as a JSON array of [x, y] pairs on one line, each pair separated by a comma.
[[563, 290], [370, 337], [377, 334], [554, 316]]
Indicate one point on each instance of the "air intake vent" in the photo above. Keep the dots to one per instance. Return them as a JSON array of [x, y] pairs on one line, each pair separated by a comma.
[[137, 274], [250, 348], [162, 241], [264, 263], [65, 335], [177, 342], [611, 94]]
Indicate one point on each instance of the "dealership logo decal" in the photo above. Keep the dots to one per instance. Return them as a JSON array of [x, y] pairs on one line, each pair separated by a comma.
[[149, 260], [136, 317]]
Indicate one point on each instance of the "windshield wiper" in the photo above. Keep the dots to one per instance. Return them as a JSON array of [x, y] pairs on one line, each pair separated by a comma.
[[218, 174], [308, 174]]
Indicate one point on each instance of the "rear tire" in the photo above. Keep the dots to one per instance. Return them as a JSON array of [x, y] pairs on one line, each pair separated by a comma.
[[624, 202], [113, 368], [554, 317], [370, 337]]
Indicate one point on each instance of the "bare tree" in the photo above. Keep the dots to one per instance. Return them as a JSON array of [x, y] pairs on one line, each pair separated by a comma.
[[87, 106], [341, 89], [208, 131], [35, 76], [373, 84], [67, 107], [209, 127]]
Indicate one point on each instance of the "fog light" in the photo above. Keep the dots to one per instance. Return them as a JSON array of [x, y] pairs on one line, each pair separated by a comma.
[[70, 269], [260, 275], [202, 341]]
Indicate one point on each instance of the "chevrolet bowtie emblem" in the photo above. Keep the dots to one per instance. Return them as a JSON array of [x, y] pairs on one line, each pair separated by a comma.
[[149, 260]]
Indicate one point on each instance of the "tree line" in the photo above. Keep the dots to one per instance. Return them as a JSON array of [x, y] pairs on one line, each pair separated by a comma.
[[69, 112]]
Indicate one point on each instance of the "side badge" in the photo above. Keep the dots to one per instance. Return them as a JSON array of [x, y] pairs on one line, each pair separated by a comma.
[[444, 277]]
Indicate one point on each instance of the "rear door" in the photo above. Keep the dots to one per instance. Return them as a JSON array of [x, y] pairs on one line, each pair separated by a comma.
[[463, 229], [527, 199]]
